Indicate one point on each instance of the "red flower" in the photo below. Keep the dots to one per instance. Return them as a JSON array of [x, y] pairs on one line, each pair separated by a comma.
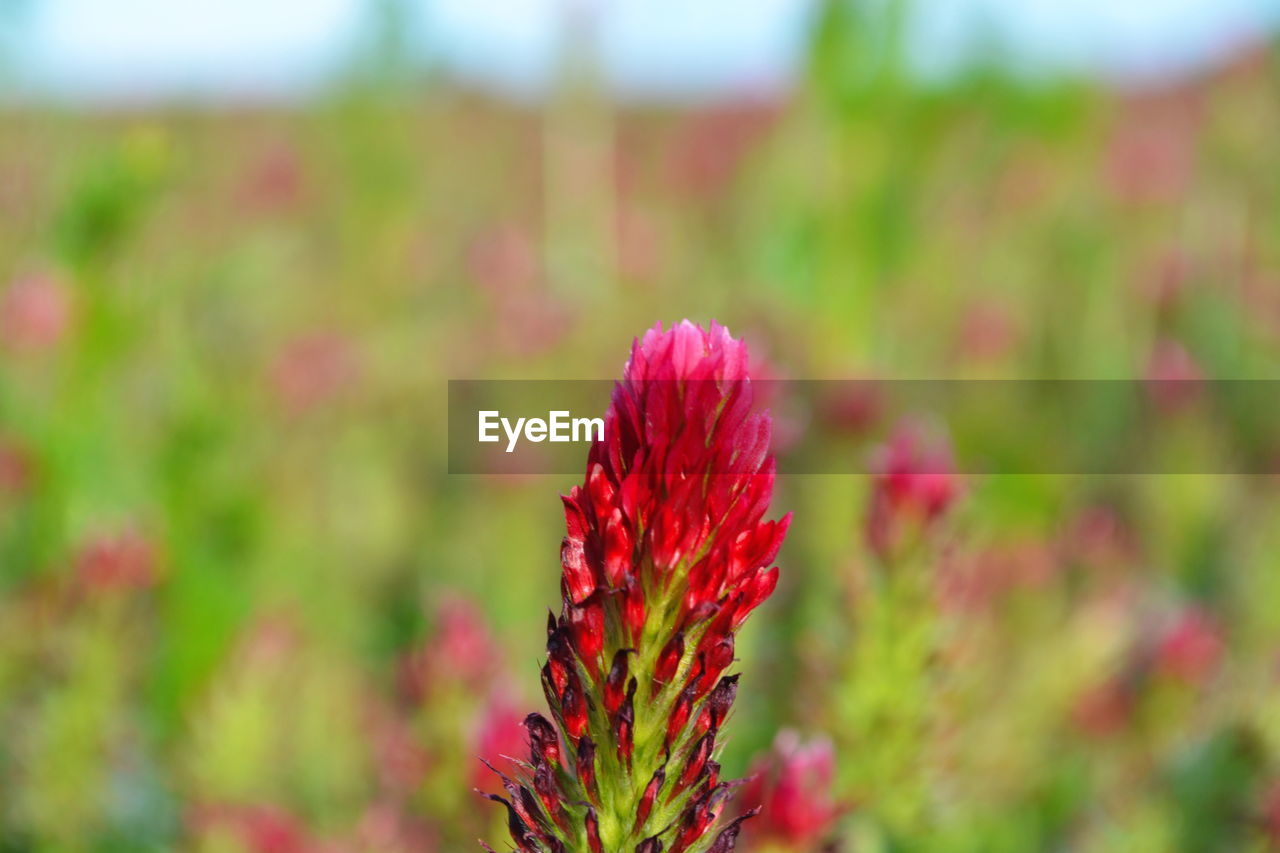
[[975, 579], [914, 483], [667, 553], [1174, 379], [126, 560], [792, 785], [1271, 814], [1191, 647], [499, 734], [1150, 156], [1105, 708], [460, 651], [16, 468], [312, 370], [34, 313], [258, 828], [275, 180]]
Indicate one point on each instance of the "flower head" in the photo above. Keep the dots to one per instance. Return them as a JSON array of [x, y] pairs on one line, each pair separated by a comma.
[[914, 483], [1191, 646], [460, 652], [792, 784], [667, 553]]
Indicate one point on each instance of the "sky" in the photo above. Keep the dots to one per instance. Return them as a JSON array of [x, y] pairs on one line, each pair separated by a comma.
[[107, 49]]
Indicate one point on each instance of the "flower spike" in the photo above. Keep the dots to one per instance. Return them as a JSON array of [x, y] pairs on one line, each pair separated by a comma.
[[666, 553]]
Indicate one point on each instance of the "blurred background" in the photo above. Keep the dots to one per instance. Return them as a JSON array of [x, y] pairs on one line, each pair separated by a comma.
[[243, 246]]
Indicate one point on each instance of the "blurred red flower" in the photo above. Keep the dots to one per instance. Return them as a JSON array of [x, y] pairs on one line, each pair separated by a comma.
[[125, 560], [16, 468], [974, 580], [506, 264], [1191, 647], [987, 331], [1105, 708], [792, 783], [499, 733], [1099, 538], [35, 312], [275, 180], [400, 761], [708, 150], [1271, 814], [311, 369], [914, 483], [854, 407], [1173, 376], [460, 650], [259, 828], [1150, 157], [385, 828]]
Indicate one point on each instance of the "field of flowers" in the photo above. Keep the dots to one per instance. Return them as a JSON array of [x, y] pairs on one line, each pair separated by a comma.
[[245, 607]]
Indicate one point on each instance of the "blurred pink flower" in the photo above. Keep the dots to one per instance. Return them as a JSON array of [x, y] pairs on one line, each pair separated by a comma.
[[505, 263], [1271, 814], [311, 370], [499, 733], [259, 828], [16, 468], [914, 483], [400, 761], [974, 580], [1099, 538], [35, 313], [275, 180], [1150, 157], [792, 782], [273, 831], [504, 260], [271, 639], [638, 243], [1191, 647], [707, 152], [1173, 377], [1106, 708], [987, 331], [384, 828], [125, 560], [461, 650], [854, 407]]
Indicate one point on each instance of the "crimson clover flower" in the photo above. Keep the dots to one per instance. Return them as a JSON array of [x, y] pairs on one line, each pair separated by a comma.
[[914, 484], [793, 783], [667, 553]]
